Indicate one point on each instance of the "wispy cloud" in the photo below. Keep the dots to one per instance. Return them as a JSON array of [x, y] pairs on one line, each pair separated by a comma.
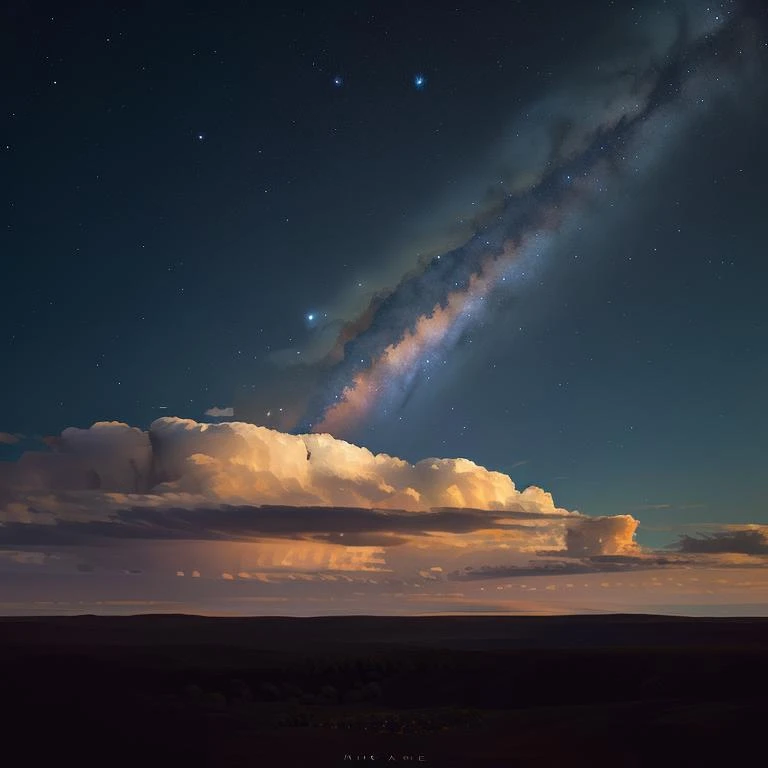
[[220, 413]]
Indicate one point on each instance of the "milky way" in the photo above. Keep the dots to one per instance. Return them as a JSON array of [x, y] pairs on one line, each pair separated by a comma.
[[598, 135]]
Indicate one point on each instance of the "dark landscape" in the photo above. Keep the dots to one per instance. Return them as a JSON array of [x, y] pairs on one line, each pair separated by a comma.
[[599, 690]]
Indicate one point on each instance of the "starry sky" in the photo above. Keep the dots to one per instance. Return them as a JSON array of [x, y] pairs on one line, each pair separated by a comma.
[[529, 234]]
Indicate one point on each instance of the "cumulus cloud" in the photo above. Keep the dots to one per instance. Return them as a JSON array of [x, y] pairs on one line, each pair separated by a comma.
[[602, 536], [304, 501], [311, 503], [109, 455], [220, 413], [6, 438], [112, 495], [245, 463]]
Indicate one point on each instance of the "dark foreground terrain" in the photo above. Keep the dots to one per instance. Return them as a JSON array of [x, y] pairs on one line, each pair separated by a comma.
[[454, 691]]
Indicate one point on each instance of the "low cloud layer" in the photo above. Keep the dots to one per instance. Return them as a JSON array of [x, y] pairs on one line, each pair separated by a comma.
[[583, 566], [347, 526]]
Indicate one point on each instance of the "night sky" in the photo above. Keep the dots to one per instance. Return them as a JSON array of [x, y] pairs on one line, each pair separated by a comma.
[[529, 234]]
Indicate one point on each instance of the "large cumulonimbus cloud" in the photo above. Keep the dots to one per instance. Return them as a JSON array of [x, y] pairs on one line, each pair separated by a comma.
[[184, 480], [305, 519], [245, 463]]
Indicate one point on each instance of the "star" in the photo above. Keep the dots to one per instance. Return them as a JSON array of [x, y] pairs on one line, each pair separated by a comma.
[[338, 81], [310, 317], [419, 81], [200, 136]]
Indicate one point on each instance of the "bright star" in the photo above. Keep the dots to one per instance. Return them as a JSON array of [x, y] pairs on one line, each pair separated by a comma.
[[338, 81], [419, 81], [200, 137], [310, 317]]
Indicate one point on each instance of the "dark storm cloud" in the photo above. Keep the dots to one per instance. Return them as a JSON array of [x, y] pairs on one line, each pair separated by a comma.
[[747, 541], [342, 525]]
